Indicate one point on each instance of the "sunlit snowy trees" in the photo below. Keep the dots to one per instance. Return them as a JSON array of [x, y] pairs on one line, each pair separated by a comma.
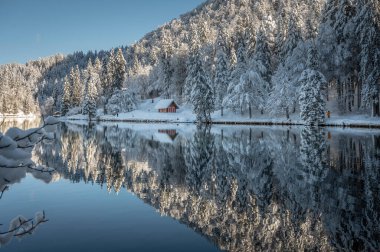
[[89, 102], [77, 87], [66, 99]]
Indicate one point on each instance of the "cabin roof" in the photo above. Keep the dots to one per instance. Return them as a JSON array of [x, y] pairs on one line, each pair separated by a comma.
[[165, 103]]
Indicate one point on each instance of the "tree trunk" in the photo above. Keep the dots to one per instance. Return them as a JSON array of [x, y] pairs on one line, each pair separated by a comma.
[[287, 113], [221, 111], [250, 135], [375, 108], [359, 94], [250, 112]]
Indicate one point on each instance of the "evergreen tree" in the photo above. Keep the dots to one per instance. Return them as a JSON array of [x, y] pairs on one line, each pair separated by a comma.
[[98, 69], [89, 102], [221, 78], [293, 37], [77, 90], [311, 100], [110, 79], [202, 96], [119, 75], [166, 68], [368, 32], [191, 64], [66, 99]]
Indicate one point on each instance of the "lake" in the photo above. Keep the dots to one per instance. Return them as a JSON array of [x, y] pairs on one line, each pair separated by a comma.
[[167, 187]]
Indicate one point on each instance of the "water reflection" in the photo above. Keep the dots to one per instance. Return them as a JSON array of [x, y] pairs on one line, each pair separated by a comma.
[[243, 188], [15, 152], [22, 123]]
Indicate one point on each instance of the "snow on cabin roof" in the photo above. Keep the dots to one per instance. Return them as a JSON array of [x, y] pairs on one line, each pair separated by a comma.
[[163, 104]]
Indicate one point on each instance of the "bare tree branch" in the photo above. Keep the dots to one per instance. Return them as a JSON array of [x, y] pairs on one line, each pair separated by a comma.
[[21, 225], [2, 192]]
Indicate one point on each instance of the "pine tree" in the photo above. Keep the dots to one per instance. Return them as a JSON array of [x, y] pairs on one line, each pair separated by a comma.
[[66, 99], [311, 100], [119, 75], [110, 74], [166, 68], [89, 102], [98, 68], [191, 64], [221, 78], [293, 37], [202, 96], [369, 36], [260, 72], [77, 90]]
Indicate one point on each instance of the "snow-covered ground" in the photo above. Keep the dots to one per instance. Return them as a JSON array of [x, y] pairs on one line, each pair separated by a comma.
[[146, 112]]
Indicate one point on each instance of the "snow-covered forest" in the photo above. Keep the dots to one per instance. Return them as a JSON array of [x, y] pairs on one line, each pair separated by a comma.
[[248, 56]]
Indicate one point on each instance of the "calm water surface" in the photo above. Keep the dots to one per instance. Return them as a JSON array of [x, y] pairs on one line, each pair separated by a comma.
[[123, 187]]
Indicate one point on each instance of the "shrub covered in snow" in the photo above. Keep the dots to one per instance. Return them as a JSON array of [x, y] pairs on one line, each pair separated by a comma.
[[121, 102]]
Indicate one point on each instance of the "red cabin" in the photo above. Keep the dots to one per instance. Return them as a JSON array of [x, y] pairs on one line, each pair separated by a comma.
[[167, 106]]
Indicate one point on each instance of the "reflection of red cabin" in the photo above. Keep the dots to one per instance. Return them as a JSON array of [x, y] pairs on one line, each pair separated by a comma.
[[171, 133], [167, 106]]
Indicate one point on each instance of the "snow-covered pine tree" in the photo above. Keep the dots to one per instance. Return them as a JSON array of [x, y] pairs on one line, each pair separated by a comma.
[[120, 71], [241, 64], [368, 32], [66, 99], [293, 37], [202, 96], [312, 103], [191, 64], [98, 69], [166, 68], [222, 75], [89, 102], [261, 71], [77, 90], [56, 92], [109, 80]]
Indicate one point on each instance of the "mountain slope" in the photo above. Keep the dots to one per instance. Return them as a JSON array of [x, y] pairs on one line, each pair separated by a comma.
[[271, 34]]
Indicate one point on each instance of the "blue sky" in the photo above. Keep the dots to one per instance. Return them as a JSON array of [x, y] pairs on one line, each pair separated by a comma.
[[30, 29]]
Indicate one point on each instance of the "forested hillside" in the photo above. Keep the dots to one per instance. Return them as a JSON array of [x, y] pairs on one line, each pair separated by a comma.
[[249, 56]]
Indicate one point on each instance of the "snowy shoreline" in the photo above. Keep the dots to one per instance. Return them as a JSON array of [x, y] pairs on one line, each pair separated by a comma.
[[340, 122], [146, 113]]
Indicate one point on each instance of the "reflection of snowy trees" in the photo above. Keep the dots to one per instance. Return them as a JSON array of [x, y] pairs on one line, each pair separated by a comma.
[[16, 147], [246, 189], [199, 159]]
